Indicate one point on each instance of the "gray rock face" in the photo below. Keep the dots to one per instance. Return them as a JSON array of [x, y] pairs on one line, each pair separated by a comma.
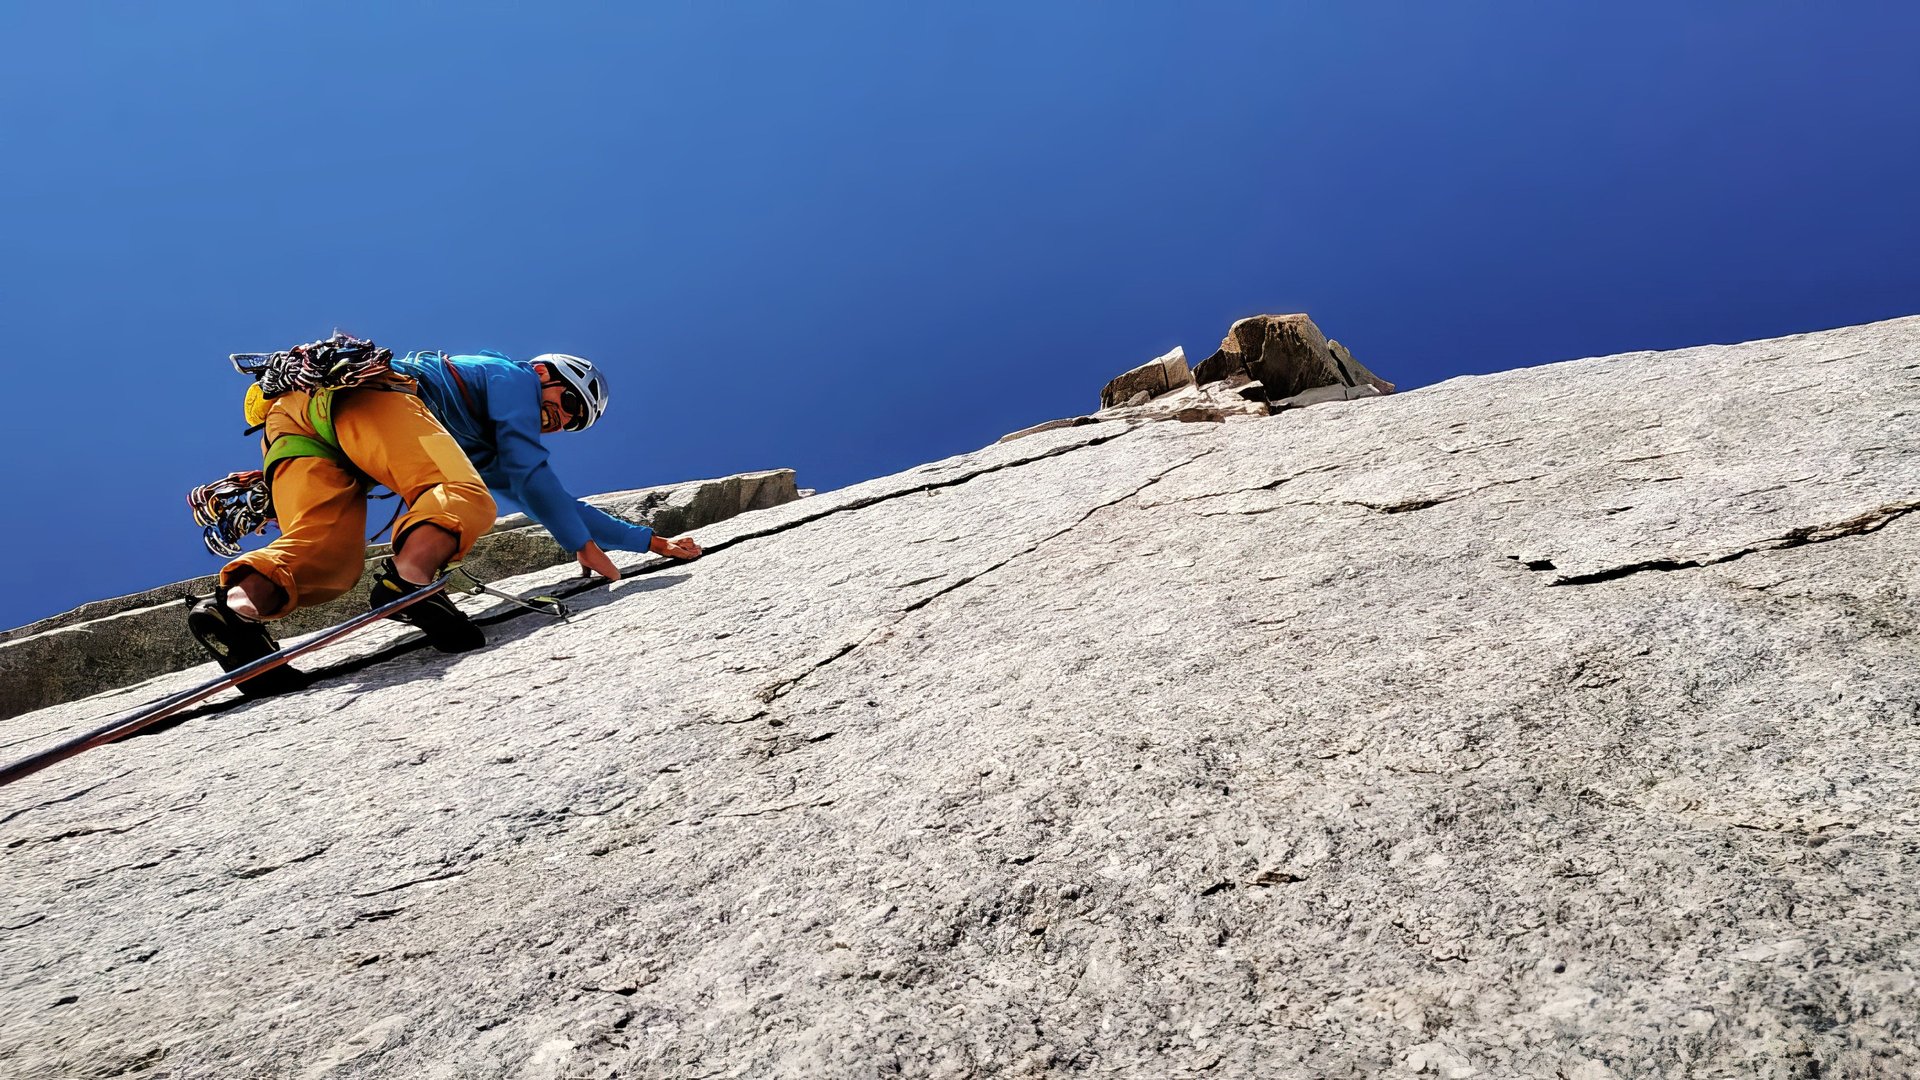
[[113, 643], [1554, 723]]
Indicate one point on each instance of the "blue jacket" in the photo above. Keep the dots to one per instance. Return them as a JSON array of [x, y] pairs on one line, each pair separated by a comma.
[[503, 442]]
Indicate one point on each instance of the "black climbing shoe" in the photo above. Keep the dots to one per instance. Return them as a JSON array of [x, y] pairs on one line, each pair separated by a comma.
[[446, 626], [234, 642]]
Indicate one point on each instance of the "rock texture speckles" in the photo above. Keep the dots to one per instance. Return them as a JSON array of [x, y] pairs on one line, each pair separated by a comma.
[[1366, 741]]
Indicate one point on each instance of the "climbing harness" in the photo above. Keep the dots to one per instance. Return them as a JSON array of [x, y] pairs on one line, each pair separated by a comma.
[[466, 395], [322, 443], [241, 504]]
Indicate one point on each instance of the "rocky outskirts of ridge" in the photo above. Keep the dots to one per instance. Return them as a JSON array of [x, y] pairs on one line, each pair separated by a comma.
[[1267, 364], [1556, 723]]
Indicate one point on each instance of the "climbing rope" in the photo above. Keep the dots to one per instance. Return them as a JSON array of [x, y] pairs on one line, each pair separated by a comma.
[[235, 506]]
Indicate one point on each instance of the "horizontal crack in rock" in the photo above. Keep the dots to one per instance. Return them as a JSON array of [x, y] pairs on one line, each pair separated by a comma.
[[149, 864], [1859, 525], [72, 834], [1422, 502], [603, 811], [803, 805], [64, 798], [262, 871], [1406, 506], [1272, 485], [1401, 506], [410, 884]]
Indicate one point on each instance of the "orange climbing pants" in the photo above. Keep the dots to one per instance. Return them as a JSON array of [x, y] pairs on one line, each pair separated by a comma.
[[392, 439]]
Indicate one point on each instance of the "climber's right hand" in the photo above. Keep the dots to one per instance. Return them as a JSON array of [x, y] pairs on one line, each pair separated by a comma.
[[593, 560]]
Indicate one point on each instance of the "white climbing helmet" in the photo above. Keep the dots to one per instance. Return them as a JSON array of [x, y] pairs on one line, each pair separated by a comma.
[[578, 373]]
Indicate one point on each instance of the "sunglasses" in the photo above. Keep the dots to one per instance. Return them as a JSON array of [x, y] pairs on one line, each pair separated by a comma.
[[570, 404]]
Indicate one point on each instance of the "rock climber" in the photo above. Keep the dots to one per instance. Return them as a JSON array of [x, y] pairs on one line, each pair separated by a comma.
[[324, 448], [497, 410]]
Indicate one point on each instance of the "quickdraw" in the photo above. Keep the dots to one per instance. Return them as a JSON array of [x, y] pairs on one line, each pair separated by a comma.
[[339, 361], [545, 605], [235, 506]]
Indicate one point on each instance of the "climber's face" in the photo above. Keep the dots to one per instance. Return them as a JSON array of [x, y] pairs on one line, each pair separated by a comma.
[[559, 405]]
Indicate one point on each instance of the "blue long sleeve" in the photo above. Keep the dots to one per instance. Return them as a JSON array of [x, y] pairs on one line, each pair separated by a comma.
[[611, 532], [520, 464], [493, 412]]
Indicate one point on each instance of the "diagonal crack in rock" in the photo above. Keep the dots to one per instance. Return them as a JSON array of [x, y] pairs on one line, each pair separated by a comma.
[[248, 873], [74, 833], [1423, 502], [1271, 485], [804, 804], [415, 644], [773, 691], [1399, 506], [918, 489], [1043, 541]]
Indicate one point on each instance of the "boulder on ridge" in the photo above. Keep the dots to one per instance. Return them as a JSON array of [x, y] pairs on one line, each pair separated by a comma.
[[1267, 364], [1161, 375], [1286, 354]]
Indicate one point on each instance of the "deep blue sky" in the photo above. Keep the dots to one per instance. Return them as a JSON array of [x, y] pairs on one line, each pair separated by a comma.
[[850, 238]]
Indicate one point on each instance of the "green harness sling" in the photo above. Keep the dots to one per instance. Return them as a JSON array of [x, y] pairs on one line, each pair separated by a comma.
[[326, 445]]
